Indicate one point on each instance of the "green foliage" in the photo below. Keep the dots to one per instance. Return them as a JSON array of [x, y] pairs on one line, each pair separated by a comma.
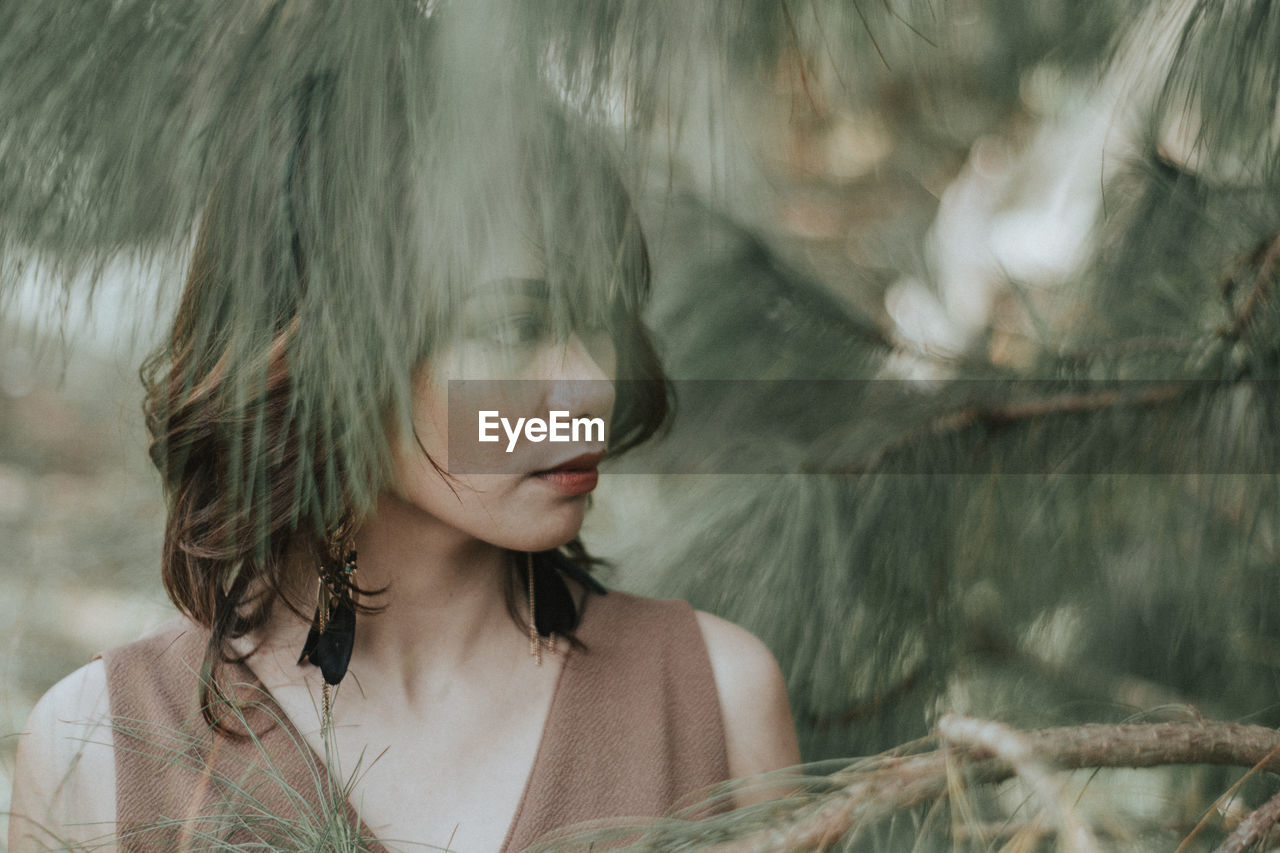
[[1081, 534]]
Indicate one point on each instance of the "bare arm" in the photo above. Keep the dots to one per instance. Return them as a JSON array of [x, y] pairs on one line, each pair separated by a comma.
[[64, 783], [759, 731]]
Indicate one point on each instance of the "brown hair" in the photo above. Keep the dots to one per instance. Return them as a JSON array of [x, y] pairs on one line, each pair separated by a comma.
[[233, 460]]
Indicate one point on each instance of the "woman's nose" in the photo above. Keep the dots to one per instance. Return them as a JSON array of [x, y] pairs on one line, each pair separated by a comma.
[[581, 377]]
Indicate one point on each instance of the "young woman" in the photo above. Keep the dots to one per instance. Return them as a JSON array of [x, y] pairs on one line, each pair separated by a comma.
[[490, 691]]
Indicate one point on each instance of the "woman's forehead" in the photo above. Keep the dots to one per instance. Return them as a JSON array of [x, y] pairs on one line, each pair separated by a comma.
[[510, 243], [506, 286], [511, 250]]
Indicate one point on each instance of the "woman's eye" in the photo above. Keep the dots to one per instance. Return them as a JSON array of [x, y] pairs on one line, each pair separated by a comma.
[[515, 330]]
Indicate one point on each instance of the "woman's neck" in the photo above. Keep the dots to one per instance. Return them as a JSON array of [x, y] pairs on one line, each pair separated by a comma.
[[444, 605], [445, 592]]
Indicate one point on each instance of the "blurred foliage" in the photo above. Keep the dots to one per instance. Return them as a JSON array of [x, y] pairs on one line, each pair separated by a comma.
[[1094, 545]]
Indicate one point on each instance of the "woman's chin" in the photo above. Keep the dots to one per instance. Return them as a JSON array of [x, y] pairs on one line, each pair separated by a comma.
[[550, 530], [547, 542]]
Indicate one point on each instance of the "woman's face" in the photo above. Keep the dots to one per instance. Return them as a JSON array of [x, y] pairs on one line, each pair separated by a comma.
[[509, 489]]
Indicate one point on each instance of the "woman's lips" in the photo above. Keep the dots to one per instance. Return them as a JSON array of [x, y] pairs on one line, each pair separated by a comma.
[[576, 476]]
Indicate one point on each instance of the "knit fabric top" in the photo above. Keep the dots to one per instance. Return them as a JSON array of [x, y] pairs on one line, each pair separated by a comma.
[[634, 730]]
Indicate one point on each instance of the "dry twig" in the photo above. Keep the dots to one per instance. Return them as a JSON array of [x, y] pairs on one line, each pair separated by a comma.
[[995, 416], [882, 786], [1253, 828], [1010, 746]]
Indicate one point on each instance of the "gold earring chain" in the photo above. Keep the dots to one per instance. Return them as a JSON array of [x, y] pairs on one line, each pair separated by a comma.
[[535, 642]]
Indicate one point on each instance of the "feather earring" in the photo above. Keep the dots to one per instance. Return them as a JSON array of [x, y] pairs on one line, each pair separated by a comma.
[[333, 629], [551, 606]]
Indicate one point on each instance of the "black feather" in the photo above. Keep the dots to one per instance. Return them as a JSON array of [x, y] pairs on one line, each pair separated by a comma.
[[332, 652], [556, 612], [313, 636], [564, 565]]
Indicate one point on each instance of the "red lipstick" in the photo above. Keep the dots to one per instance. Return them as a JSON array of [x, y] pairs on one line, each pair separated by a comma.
[[576, 476]]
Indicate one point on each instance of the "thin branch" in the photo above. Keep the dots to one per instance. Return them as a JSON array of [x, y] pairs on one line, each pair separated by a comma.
[[870, 34], [1253, 828], [878, 788], [1267, 256], [908, 24], [1011, 747], [1136, 345], [1036, 829], [992, 415]]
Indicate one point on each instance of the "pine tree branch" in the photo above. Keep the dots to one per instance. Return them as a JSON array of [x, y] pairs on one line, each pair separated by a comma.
[[984, 832], [1265, 257], [1012, 748], [1125, 690], [995, 416], [1135, 345], [1253, 828], [879, 787]]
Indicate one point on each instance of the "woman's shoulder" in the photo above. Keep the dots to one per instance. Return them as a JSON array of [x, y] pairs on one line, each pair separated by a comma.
[[740, 659], [64, 779], [737, 656], [165, 658], [76, 703], [758, 728], [176, 636], [759, 731], [735, 652]]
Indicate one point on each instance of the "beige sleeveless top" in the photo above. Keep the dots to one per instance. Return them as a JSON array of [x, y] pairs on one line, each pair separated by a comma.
[[634, 730]]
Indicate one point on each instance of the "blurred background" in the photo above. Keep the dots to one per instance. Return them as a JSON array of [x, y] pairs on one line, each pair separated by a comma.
[[1032, 250]]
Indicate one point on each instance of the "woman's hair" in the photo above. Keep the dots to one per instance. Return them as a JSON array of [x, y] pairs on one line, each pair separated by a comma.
[[258, 472]]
